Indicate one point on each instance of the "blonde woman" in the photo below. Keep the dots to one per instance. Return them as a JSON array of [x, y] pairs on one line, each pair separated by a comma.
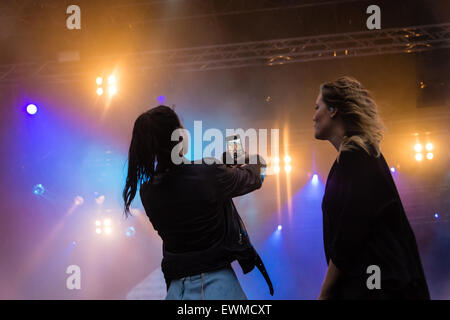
[[370, 248]]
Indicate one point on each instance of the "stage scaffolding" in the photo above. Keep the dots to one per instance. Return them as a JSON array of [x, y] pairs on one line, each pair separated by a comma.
[[245, 54]]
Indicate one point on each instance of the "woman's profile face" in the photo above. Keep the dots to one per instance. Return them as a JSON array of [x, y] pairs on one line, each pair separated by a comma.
[[322, 120]]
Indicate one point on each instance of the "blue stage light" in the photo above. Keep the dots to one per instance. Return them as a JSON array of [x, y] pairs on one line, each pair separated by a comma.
[[78, 200], [436, 216], [161, 99], [315, 179], [280, 227], [31, 109], [392, 169], [130, 232], [74, 243], [38, 189]]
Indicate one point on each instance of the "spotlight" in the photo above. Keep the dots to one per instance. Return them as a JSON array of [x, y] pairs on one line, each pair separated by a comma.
[[418, 147], [436, 216], [419, 157], [111, 79], [103, 226], [31, 109], [422, 85], [315, 179], [430, 155], [392, 169], [74, 243], [276, 160], [287, 159], [280, 227], [276, 169], [38, 189], [429, 146], [161, 99], [99, 80], [99, 91], [100, 199], [287, 168], [79, 200], [112, 90]]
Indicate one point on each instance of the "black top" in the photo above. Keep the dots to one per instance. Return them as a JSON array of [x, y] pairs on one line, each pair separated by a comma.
[[189, 206], [364, 224]]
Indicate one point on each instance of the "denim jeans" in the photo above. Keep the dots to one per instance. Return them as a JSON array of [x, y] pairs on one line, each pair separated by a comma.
[[216, 285]]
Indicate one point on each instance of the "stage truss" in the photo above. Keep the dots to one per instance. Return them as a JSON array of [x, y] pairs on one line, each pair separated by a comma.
[[246, 54]]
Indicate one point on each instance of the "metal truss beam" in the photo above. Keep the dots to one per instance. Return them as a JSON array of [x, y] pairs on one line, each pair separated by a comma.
[[245, 54]]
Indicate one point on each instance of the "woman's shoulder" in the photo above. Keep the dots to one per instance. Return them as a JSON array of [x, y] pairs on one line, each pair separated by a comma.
[[352, 152], [357, 159]]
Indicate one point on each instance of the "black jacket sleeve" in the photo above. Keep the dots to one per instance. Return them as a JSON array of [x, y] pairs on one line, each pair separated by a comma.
[[236, 181]]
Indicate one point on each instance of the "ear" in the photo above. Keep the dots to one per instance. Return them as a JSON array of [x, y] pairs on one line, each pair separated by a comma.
[[333, 112]]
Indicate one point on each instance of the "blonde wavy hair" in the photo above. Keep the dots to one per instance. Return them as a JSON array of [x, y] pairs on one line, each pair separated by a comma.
[[358, 110]]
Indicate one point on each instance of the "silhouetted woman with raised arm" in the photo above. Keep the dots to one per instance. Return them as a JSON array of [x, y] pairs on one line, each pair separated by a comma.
[[190, 206]]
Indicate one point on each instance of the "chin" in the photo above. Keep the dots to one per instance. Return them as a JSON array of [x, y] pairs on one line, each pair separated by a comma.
[[318, 136]]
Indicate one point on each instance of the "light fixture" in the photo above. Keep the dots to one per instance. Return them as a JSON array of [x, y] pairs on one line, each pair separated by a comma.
[[111, 79], [31, 109]]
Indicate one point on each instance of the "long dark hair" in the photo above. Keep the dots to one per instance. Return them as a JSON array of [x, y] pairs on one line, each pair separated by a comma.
[[150, 149]]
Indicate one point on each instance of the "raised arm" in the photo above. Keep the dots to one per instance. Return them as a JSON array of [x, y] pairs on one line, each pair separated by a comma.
[[234, 181]]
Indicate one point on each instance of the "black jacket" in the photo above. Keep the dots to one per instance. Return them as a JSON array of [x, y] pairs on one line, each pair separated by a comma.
[[191, 208], [364, 224]]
